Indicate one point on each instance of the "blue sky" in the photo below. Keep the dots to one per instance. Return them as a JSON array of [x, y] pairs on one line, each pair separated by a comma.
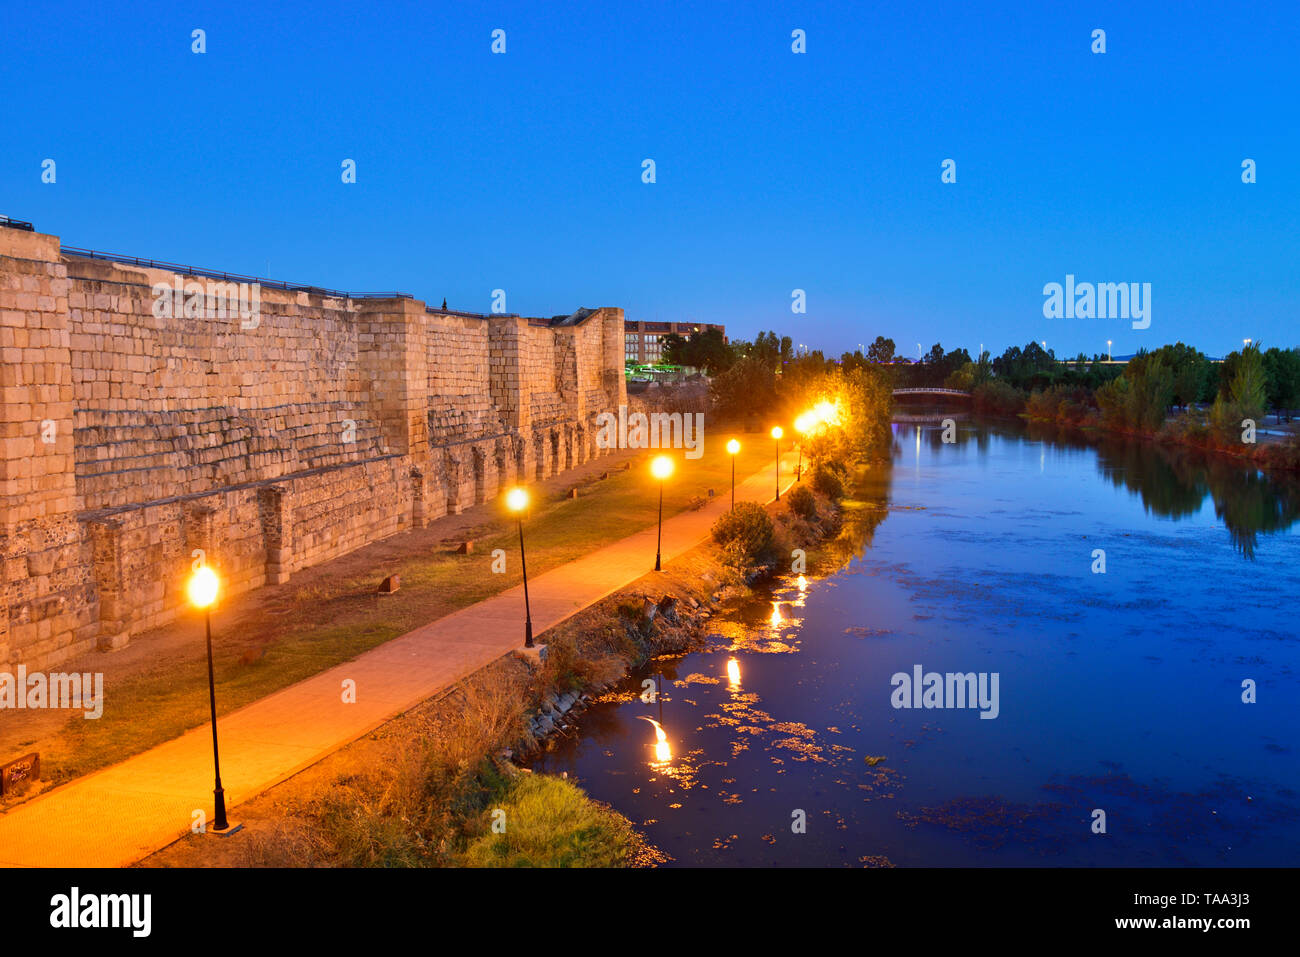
[[775, 171]]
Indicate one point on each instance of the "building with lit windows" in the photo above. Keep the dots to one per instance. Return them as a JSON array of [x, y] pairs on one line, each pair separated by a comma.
[[643, 341]]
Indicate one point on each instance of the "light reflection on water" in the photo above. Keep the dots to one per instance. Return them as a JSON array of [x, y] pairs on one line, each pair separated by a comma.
[[1118, 691]]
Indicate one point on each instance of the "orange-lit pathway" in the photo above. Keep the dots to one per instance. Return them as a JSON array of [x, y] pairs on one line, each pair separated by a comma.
[[123, 813]]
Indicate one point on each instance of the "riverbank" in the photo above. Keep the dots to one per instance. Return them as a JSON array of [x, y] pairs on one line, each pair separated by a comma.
[[1278, 453], [440, 786]]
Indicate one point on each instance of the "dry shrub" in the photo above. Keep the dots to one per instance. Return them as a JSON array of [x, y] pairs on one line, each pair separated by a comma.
[[406, 809], [802, 502], [745, 534], [571, 667]]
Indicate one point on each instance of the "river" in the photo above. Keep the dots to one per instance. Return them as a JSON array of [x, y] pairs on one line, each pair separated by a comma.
[[1119, 693]]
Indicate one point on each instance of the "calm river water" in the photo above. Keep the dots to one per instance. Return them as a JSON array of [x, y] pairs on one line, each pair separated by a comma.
[[1118, 692]]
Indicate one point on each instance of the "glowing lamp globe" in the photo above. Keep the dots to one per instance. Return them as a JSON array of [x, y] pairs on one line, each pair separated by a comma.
[[777, 432], [517, 500], [202, 588], [733, 446], [661, 467]]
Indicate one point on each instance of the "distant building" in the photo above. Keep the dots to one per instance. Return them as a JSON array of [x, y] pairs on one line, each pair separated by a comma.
[[643, 341]]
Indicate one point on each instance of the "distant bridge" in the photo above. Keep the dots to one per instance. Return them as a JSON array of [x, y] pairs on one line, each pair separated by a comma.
[[932, 391]]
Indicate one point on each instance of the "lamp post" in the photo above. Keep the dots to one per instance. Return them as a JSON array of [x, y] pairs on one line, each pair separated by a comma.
[[661, 468], [732, 448], [802, 425], [202, 593], [776, 437], [517, 501], [1246, 342], [1109, 355]]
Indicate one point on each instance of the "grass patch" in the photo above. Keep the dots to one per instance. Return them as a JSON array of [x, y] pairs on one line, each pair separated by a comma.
[[550, 822], [160, 709]]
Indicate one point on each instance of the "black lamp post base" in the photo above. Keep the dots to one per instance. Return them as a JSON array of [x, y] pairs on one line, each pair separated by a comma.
[[219, 822]]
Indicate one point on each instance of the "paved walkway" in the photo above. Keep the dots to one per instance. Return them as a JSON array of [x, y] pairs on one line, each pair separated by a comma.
[[123, 813]]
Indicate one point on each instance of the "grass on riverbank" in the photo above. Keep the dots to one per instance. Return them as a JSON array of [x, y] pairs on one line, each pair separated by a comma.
[[550, 822], [305, 629]]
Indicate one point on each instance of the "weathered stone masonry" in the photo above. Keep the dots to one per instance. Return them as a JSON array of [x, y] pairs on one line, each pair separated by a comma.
[[129, 440]]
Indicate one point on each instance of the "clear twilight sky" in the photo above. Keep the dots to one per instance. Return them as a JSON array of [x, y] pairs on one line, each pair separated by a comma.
[[775, 171]]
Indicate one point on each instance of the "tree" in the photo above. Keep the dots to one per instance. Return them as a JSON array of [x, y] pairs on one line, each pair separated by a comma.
[[1151, 394], [881, 351], [1140, 398], [1282, 367], [768, 348], [705, 350], [852, 360], [969, 374], [1249, 385], [1031, 367], [963, 379], [748, 386], [673, 350], [1190, 369], [1243, 394], [866, 401]]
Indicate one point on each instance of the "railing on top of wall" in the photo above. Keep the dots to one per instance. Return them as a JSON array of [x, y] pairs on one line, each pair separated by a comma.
[[229, 277], [16, 224], [468, 315]]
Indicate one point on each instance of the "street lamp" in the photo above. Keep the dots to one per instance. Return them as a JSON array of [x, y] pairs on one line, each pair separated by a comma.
[[517, 501], [202, 593], [732, 448], [1109, 355], [661, 468], [802, 425], [776, 437], [1246, 342]]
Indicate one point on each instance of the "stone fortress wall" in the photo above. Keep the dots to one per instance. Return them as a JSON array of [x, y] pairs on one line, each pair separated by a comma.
[[130, 441]]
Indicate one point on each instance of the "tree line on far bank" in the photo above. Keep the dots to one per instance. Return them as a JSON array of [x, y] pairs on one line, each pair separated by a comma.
[[1213, 402]]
